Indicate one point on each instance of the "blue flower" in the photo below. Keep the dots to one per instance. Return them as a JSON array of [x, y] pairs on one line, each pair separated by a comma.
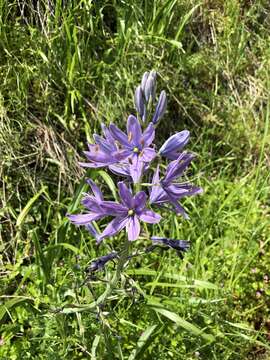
[[172, 147], [167, 191], [135, 145], [129, 213]]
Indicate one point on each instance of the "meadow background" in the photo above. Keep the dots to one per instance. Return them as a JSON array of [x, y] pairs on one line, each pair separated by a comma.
[[67, 66]]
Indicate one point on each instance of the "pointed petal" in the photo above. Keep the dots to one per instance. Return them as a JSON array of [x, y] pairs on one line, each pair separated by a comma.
[[113, 208], [148, 154], [134, 131], [136, 166], [113, 228], [156, 190], [139, 201], [83, 219], [178, 208], [120, 169], [181, 190], [91, 203], [119, 135], [90, 227], [133, 228], [95, 189], [176, 168], [98, 156], [125, 194], [149, 216], [91, 164], [148, 135]]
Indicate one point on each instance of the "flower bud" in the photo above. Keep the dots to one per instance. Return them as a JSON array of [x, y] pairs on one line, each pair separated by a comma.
[[174, 144], [161, 107], [144, 79], [139, 102]]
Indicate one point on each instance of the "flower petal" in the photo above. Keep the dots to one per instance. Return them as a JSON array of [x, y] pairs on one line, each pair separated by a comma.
[[149, 216], [113, 227], [119, 135], [133, 228], [139, 201], [157, 192], [148, 135], [113, 208], [134, 131], [95, 189], [148, 154], [84, 219], [120, 169], [136, 165], [125, 194], [177, 167], [92, 164]]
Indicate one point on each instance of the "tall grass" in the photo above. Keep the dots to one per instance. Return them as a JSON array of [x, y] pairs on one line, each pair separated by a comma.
[[67, 66]]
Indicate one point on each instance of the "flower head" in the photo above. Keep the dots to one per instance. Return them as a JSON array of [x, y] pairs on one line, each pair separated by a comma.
[[167, 191], [135, 145], [129, 213], [104, 152]]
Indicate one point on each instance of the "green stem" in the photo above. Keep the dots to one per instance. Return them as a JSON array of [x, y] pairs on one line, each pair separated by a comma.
[[112, 284]]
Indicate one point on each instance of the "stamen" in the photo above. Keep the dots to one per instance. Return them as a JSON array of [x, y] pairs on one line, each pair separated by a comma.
[[129, 136], [136, 150], [130, 212]]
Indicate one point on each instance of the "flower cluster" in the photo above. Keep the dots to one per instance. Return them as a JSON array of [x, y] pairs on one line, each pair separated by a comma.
[[133, 156]]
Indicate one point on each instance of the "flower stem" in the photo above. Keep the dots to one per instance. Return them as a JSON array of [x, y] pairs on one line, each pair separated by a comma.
[[123, 257]]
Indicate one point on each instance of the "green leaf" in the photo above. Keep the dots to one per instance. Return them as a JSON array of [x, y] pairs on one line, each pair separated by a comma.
[[109, 181], [28, 206], [143, 342], [184, 324]]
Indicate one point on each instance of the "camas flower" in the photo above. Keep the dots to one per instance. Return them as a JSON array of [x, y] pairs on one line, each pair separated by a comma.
[[129, 213], [135, 145], [166, 191], [172, 147], [94, 203], [104, 152]]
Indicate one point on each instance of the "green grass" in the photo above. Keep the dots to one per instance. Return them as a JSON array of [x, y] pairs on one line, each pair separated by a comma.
[[64, 69]]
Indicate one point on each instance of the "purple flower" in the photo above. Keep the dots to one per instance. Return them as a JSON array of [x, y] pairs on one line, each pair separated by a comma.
[[129, 213], [93, 204], [104, 152], [161, 107], [172, 147], [135, 145], [166, 191]]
